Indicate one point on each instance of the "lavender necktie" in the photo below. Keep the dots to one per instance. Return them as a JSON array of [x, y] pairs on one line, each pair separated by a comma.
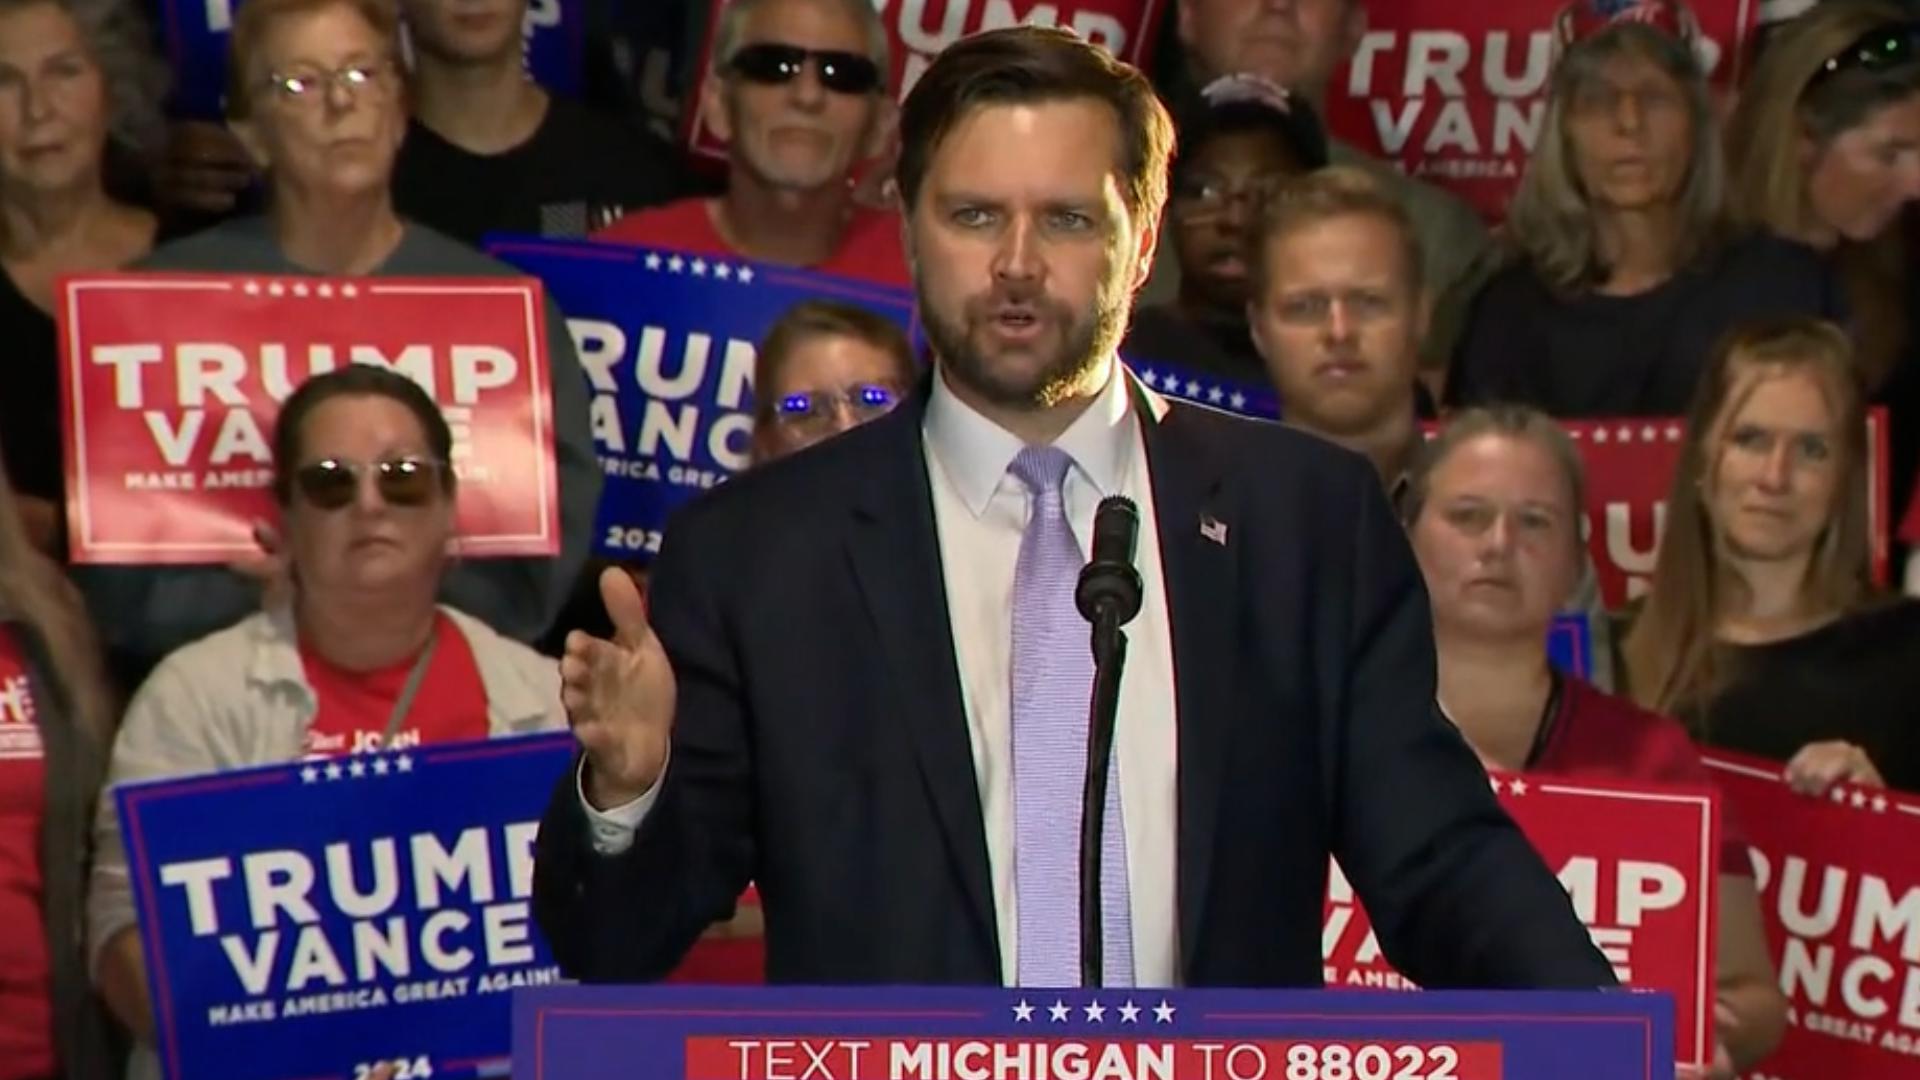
[[1052, 687]]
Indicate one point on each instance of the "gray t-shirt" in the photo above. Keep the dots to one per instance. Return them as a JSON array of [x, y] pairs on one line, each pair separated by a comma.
[[146, 612]]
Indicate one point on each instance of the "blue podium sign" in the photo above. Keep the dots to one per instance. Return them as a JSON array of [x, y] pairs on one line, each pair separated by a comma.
[[893, 1033], [307, 920]]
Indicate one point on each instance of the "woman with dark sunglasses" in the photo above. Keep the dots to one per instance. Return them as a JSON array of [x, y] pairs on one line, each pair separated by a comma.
[[1825, 150], [361, 658], [800, 94]]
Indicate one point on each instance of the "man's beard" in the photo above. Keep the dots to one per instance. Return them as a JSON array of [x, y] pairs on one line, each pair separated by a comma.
[[1087, 342]]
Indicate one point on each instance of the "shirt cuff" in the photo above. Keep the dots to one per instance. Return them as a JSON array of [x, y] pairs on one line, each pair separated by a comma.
[[612, 830]]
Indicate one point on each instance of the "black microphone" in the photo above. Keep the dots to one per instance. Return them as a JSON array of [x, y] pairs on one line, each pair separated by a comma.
[[1108, 596], [1109, 585]]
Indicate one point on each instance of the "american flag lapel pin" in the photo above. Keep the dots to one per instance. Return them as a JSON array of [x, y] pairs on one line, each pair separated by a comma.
[[1213, 529]]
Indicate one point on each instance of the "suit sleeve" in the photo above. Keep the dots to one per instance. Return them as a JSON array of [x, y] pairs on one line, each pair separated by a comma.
[[631, 917], [1456, 893]]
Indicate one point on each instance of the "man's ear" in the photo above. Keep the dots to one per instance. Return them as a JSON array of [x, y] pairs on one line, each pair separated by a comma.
[[713, 109], [1146, 244], [253, 142]]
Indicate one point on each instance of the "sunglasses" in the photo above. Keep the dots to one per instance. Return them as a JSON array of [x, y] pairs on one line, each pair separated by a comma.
[[331, 484], [777, 65], [1877, 50]]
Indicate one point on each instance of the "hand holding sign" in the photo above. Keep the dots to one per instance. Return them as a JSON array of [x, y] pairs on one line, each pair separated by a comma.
[[1819, 766], [619, 697]]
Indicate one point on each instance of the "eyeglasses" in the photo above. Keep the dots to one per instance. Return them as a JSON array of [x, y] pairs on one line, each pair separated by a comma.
[[777, 65], [330, 483], [309, 86], [1877, 50], [1200, 197], [816, 408]]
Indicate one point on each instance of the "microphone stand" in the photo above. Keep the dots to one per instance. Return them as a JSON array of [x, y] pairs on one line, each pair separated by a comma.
[[1109, 658]]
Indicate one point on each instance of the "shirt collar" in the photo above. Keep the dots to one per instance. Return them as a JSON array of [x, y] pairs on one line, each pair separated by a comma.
[[975, 452]]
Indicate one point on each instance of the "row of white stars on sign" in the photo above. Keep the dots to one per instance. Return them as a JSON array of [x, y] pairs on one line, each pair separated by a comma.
[[1095, 1012], [1627, 433], [325, 290], [699, 267], [1193, 388], [1860, 800], [356, 767]]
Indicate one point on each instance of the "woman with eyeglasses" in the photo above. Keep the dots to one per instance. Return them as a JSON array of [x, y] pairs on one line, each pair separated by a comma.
[[315, 94], [800, 95], [79, 103], [361, 659], [1762, 630], [1493, 512], [1825, 146], [1623, 275]]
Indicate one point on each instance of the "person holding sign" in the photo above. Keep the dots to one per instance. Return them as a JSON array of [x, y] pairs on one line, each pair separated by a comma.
[[78, 85], [1493, 509], [861, 679], [56, 719], [316, 96], [800, 98], [1622, 278], [1762, 630], [361, 659]]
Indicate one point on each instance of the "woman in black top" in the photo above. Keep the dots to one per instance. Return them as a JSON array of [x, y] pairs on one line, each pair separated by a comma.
[[1622, 278], [76, 76], [1762, 630]]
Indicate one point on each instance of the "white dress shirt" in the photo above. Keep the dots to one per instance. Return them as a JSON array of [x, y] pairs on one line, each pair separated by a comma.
[[980, 513]]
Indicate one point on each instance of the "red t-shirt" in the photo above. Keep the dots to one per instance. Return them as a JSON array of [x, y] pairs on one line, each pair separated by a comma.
[[26, 971], [1599, 735], [870, 251], [352, 707]]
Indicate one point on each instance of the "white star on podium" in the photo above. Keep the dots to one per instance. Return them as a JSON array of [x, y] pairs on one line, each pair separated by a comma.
[[1096, 1012], [333, 771], [357, 768], [1214, 395], [722, 271], [653, 261], [676, 264], [1058, 1014], [1023, 1012], [745, 276], [1518, 787], [1129, 1013], [1163, 1012], [380, 766], [1239, 400], [700, 267], [309, 774], [403, 763]]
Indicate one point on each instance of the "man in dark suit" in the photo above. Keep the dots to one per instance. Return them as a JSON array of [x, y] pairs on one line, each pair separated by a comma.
[[862, 683]]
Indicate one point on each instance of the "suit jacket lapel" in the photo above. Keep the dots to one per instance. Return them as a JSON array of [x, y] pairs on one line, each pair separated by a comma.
[[1195, 522], [894, 549]]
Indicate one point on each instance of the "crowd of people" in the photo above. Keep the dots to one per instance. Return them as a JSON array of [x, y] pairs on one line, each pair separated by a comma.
[[1746, 264]]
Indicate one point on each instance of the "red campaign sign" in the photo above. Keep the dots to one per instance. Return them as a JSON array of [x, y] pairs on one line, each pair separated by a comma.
[[1641, 863], [1839, 882], [1456, 92], [169, 385], [1630, 465], [918, 29]]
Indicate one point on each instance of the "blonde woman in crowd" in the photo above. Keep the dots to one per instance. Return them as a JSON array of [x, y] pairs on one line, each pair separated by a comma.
[[1762, 630], [1493, 509]]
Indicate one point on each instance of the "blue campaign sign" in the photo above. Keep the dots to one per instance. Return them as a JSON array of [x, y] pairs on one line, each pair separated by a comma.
[[1257, 400], [667, 341], [305, 920], [196, 32], [715, 1033]]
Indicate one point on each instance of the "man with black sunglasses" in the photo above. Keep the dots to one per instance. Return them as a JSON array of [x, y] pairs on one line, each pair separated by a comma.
[[800, 97]]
